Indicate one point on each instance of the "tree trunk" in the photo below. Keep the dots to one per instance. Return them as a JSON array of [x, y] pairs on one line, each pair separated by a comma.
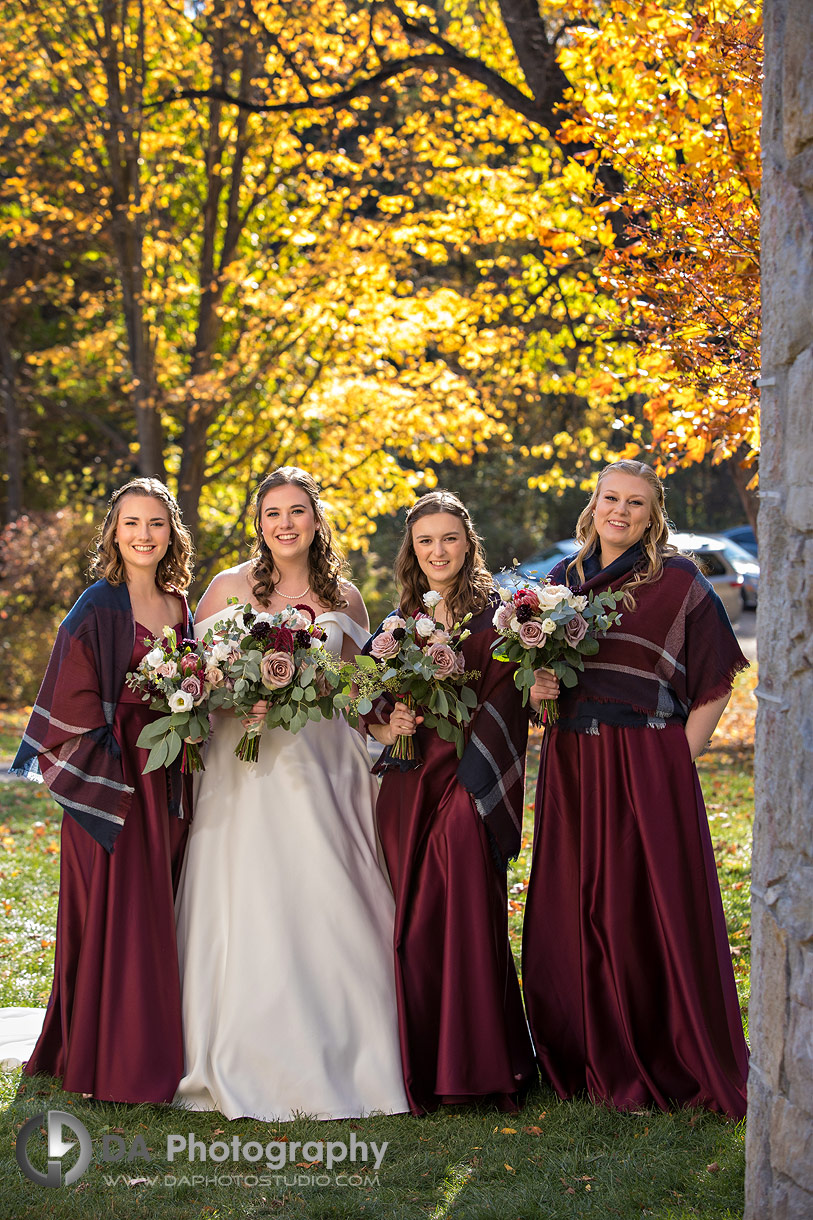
[[201, 410], [123, 64], [535, 55], [742, 476], [779, 1140]]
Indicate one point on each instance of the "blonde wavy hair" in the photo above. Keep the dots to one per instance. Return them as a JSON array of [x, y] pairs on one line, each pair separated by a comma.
[[174, 572], [473, 584], [326, 563], [656, 544]]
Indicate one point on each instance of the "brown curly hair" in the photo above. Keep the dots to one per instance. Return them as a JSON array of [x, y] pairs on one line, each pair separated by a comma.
[[656, 542], [326, 563], [474, 582], [174, 572]]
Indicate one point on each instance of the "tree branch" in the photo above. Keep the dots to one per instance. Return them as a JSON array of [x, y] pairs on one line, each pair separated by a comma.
[[438, 61]]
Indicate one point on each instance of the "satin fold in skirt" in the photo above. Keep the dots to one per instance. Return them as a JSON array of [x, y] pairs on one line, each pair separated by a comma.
[[627, 971], [462, 1028]]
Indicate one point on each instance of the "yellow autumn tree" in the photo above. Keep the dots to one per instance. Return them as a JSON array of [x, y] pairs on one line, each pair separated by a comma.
[[669, 96]]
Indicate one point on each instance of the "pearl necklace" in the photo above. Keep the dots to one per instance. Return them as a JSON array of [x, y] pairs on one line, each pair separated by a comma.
[[295, 596]]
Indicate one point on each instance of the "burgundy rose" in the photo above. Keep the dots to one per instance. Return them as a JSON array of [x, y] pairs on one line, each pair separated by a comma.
[[193, 685], [384, 645], [576, 629], [302, 639], [444, 659], [524, 612], [276, 669], [531, 635], [261, 630]]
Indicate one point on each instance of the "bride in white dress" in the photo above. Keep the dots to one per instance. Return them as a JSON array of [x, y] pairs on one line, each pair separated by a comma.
[[285, 915]]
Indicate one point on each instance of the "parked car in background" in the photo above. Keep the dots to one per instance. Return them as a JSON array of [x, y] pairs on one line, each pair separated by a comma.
[[744, 563], [744, 536], [710, 551], [732, 572]]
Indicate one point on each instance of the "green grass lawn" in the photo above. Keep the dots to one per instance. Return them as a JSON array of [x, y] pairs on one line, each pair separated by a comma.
[[553, 1161]]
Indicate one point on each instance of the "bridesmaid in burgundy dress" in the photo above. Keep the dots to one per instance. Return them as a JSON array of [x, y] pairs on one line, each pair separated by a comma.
[[626, 966], [113, 1025], [447, 828]]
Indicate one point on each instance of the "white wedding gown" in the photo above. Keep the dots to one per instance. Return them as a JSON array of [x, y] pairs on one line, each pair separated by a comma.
[[285, 926]]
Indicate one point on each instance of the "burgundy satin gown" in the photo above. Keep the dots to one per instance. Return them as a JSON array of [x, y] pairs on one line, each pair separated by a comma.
[[626, 966], [113, 1024], [462, 1028]]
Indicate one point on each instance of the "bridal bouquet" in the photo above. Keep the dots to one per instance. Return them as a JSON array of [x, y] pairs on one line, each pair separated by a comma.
[[546, 626], [420, 662], [278, 657], [173, 677]]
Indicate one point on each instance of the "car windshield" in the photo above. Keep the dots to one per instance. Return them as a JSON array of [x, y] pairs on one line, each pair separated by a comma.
[[735, 551]]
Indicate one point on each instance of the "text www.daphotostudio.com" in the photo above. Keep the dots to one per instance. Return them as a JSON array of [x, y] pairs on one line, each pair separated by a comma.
[[281, 1157]]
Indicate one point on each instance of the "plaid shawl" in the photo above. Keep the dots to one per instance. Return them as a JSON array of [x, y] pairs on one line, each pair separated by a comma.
[[69, 740], [675, 651], [492, 769]]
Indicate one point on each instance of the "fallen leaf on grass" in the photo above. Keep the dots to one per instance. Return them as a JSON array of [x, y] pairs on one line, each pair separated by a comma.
[[713, 1167], [532, 1130]]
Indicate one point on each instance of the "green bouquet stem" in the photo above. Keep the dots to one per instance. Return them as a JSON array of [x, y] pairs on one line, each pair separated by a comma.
[[248, 747], [548, 712], [191, 759], [404, 745]]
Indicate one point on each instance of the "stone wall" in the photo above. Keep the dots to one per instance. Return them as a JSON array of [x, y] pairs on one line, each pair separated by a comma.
[[779, 1142]]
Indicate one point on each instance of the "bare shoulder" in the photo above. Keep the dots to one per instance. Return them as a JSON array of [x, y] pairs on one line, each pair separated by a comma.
[[232, 582], [355, 607]]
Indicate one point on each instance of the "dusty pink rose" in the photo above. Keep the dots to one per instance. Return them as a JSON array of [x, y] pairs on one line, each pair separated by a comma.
[[276, 669], [167, 669], [576, 629], [439, 637], [213, 675], [459, 663], [531, 634], [297, 621], [321, 683], [193, 685], [503, 616], [444, 659], [384, 645]]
